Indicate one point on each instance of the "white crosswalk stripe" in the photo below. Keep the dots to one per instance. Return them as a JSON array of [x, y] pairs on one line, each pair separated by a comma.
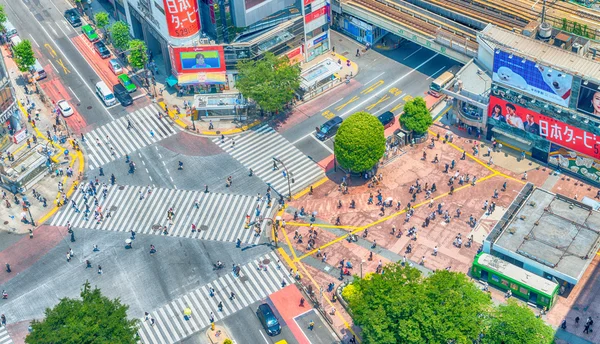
[[256, 150], [252, 285], [147, 129], [4, 337], [218, 217]]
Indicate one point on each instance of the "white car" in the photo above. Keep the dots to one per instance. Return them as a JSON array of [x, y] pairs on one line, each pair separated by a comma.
[[115, 66], [65, 109]]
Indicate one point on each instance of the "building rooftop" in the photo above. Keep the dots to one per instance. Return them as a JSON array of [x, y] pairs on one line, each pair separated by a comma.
[[475, 79], [552, 230], [536, 50]]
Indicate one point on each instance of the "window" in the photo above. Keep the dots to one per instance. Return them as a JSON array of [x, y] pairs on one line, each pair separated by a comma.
[[524, 291], [513, 286], [505, 282], [544, 300]]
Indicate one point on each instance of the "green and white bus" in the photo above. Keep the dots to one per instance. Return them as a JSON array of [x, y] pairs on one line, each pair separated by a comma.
[[522, 283]]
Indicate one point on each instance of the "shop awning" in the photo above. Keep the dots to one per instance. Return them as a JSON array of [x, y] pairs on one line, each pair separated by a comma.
[[171, 81], [511, 136]]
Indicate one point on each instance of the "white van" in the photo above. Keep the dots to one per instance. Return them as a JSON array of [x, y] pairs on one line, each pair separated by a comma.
[[37, 71], [108, 98], [14, 41], [9, 30]]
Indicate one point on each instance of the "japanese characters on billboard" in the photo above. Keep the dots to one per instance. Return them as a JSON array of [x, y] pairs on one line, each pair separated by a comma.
[[182, 17], [589, 99], [527, 76], [549, 128], [199, 59]]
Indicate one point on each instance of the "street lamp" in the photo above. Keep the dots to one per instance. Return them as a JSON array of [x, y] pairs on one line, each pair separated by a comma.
[[288, 177], [361, 264]]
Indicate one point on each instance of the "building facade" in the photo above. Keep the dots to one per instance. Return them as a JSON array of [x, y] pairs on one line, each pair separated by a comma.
[[10, 115]]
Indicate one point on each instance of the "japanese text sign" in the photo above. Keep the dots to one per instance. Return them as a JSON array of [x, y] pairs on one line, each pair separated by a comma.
[[182, 17]]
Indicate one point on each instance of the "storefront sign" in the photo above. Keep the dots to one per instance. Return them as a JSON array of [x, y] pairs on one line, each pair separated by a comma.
[[549, 128], [208, 59], [182, 17], [20, 136], [577, 163], [320, 38], [295, 55]]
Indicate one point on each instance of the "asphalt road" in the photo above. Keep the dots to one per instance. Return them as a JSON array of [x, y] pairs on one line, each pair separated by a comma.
[[42, 22], [386, 80]]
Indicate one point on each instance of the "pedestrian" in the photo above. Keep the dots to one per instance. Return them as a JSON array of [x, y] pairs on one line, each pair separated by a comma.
[[30, 233], [152, 249], [99, 270], [311, 325], [151, 133], [88, 264], [3, 320], [96, 249], [8, 268], [132, 234]]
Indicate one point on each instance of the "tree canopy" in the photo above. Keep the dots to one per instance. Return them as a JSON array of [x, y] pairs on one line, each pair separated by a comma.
[[24, 56], [402, 306], [416, 116], [2, 17], [92, 319], [270, 81], [102, 21], [138, 57], [119, 34], [359, 142]]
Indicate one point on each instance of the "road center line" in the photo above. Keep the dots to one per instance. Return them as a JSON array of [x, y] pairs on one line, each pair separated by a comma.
[[414, 52], [75, 94], [375, 78], [34, 41]]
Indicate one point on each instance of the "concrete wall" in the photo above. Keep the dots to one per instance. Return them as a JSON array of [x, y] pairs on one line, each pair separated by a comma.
[[245, 17]]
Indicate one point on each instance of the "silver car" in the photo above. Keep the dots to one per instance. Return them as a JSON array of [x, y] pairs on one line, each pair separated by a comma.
[[115, 66]]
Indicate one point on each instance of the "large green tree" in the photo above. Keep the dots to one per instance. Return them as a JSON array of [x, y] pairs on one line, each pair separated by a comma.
[[516, 324], [102, 21], [138, 57], [400, 306], [416, 116], [92, 319], [24, 56], [359, 142], [270, 81], [119, 35], [2, 17]]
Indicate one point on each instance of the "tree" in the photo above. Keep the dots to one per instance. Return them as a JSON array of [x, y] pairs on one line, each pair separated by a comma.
[[2, 18], [416, 116], [24, 56], [401, 306], [102, 21], [138, 57], [92, 319], [359, 142], [515, 324], [270, 81], [119, 34]]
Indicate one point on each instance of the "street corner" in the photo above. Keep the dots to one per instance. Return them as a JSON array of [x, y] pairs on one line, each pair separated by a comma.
[[290, 303], [28, 250]]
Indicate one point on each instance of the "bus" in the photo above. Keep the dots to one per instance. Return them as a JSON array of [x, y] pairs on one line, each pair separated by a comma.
[[439, 83], [522, 283]]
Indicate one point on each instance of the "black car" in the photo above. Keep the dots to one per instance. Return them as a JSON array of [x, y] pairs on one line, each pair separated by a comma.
[[329, 128], [387, 119], [72, 16], [102, 50], [268, 319], [122, 95]]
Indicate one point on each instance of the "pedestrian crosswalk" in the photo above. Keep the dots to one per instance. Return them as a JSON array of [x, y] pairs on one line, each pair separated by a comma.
[[217, 216], [256, 281], [120, 137], [256, 150], [4, 337]]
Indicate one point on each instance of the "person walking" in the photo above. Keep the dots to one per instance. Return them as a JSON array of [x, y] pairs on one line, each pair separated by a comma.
[[99, 270]]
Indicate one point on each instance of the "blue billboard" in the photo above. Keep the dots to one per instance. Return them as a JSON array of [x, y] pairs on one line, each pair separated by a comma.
[[533, 78]]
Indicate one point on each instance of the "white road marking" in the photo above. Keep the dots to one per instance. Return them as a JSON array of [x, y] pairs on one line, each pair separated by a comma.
[[75, 94], [414, 52], [322, 144], [323, 109], [55, 33], [171, 178], [370, 81], [439, 70], [265, 338], [54, 67], [144, 163], [34, 41], [139, 96]]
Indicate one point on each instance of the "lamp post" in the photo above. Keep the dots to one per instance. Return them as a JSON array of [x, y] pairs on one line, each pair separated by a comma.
[[288, 177], [361, 264]]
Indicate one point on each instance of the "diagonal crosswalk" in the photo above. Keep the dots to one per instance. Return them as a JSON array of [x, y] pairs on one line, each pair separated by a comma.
[[219, 217], [256, 150], [113, 140], [252, 285], [4, 337]]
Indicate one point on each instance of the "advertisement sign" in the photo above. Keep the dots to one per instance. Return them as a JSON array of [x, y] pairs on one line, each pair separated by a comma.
[[589, 99], [182, 17], [527, 76], [549, 128], [315, 14], [320, 38], [207, 59], [201, 78], [295, 55], [577, 163]]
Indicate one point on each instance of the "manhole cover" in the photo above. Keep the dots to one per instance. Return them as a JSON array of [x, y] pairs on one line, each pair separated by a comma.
[[89, 107], [203, 227], [5, 223], [244, 278], [266, 261], [121, 187], [218, 132], [113, 208], [155, 227], [340, 40]]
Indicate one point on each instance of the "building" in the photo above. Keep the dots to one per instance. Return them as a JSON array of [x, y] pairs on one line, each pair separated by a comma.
[[548, 234], [10, 116], [198, 42]]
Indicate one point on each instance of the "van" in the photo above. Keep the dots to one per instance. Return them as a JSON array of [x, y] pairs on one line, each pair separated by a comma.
[[108, 98], [387, 119], [14, 41], [9, 30], [329, 128], [37, 71]]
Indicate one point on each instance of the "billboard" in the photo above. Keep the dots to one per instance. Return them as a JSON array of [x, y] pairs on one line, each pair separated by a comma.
[[208, 59], [577, 163], [527, 76], [551, 129], [182, 17], [589, 99], [295, 55]]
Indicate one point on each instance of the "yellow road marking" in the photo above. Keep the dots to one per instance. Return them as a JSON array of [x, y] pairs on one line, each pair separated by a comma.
[[381, 100], [407, 98], [50, 50], [395, 91], [340, 107], [372, 87], [328, 114], [301, 224], [307, 189], [65, 69], [397, 107]]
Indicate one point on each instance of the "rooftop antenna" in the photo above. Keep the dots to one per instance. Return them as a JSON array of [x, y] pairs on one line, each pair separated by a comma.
[[544, 11]]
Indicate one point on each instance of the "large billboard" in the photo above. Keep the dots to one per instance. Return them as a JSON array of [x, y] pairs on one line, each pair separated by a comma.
[[549, 128], [204, 59], [182, 17], [589, 99], [574, 162], [525, 75]]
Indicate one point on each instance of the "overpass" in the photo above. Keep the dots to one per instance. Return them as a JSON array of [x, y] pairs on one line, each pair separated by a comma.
[[415, 24]]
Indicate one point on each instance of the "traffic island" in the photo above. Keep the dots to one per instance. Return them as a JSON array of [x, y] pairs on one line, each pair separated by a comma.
[[218, 335]]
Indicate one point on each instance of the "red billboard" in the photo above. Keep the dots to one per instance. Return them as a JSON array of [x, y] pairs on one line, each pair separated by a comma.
[[204, 59], [318, 13], [182, 17], [551, 129]]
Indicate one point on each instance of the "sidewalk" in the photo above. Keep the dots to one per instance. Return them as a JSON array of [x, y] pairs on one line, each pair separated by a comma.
[[47, 186]]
